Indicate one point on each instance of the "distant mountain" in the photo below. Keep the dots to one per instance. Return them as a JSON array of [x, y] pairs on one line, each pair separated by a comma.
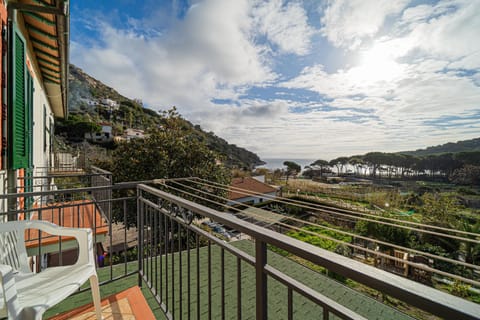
[[451, 147], [91, 99]]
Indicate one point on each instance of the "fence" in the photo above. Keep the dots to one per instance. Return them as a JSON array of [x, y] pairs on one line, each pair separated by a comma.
[[174, 254], [193, 273]]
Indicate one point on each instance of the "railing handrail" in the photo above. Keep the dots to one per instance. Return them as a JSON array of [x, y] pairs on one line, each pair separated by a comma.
[[70, 175], [416, 294], [64, 191], [99, 170]]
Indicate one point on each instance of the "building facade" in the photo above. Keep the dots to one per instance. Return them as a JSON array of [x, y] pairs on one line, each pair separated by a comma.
[[250, 191], [34, 68]]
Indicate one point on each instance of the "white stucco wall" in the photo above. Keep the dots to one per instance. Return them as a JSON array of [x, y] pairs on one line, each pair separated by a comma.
[[40, 102], [255, 199]]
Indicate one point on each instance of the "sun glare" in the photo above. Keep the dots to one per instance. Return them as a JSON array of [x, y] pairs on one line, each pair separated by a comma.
[[377, 64]]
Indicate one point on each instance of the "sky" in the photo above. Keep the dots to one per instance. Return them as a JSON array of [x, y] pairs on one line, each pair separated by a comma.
[[294, 79]]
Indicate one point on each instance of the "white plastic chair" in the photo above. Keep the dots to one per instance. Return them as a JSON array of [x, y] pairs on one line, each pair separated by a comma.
[[27, 295]]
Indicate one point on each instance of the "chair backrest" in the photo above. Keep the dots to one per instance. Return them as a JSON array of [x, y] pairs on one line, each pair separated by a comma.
[[12, 245]]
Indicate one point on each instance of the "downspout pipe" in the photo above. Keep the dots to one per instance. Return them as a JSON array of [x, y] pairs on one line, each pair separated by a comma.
[[64, 34]]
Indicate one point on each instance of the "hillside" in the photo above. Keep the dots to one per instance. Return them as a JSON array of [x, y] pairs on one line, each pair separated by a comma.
[[450, 147], [91, 100]]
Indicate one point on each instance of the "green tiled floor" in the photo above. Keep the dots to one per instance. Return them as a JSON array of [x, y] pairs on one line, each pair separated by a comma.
[[277, 293]]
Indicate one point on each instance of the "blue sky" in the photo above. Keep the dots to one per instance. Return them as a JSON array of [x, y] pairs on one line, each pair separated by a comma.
[[294, 79]]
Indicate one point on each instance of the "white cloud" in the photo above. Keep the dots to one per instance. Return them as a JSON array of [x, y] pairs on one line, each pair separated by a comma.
[[206, 55], [346, 23], [358, 80], [449, 32], [405, 80], [286, 25], [415, 14]]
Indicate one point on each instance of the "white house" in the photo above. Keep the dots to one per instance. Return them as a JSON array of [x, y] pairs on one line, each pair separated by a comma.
[[90, 102], [250, 191], [105, 135], [114, 105], [133, 134]]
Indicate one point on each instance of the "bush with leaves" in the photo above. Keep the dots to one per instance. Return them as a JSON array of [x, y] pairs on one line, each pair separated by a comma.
[[170, 152], [76, 126]]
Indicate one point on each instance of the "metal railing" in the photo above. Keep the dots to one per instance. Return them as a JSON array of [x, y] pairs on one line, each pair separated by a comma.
[[66, 162], [99, 178], [193, 273], [79, 208], [174, 253]]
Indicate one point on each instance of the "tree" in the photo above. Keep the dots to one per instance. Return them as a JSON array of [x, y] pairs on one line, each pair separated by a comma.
[[406, 163], [321, 164], [76, 126], [357, 163], [292, 168], [472, 158], [374, 160], [173, 152], [439, 209], [339, 163], [471, 250], [467, 175], [386, 233]]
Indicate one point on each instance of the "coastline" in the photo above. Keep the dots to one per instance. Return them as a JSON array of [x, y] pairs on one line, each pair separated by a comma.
[[277, 163]]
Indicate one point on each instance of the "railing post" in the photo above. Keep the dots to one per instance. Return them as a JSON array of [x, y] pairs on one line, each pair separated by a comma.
[[261, 279], [139, 236]]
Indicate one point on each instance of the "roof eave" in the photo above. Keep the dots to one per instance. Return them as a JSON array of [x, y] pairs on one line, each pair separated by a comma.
[[63, 27], [56, 87]]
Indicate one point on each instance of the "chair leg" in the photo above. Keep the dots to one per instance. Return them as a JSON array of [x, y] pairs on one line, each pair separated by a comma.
[[96, 296]]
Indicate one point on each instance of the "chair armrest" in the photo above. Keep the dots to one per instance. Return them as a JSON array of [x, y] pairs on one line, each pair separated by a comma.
[[9, 291], [82, 235]]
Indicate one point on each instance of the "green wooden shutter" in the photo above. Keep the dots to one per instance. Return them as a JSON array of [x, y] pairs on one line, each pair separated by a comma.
[[18, 119]]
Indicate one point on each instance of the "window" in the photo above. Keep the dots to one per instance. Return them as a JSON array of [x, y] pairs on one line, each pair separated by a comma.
[[20, 121]]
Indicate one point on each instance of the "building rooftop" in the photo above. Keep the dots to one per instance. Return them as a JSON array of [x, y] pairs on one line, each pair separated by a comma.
[[248, 186]]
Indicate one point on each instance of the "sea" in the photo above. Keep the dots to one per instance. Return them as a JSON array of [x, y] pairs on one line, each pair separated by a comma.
[[273, 164]]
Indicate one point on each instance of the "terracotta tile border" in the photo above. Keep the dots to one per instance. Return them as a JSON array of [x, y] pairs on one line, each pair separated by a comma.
[[134, 295]]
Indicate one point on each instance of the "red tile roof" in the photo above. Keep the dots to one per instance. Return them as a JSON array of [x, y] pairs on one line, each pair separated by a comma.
[[128, 304], [250, 186]]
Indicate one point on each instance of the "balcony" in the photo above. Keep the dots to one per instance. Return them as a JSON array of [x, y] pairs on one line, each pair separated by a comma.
[[150, 235]]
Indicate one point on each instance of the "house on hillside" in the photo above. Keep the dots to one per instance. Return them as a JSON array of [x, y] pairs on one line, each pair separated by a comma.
[[131, 133], [89, 102], [113, 105], [105, 135], [250, 191]]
